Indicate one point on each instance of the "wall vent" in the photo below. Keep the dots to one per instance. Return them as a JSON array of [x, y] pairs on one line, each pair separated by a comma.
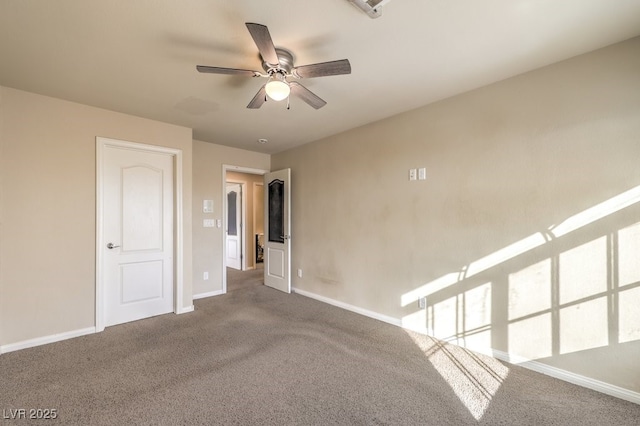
[[373, 8]]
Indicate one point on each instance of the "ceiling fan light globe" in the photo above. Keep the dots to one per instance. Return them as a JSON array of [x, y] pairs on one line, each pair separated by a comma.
[[277, 90]]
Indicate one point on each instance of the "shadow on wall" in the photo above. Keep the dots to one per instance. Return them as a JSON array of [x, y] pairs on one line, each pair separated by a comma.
[[568, 296]]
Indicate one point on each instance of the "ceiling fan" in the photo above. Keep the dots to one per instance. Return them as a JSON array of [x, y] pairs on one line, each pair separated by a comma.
[[279, 69]]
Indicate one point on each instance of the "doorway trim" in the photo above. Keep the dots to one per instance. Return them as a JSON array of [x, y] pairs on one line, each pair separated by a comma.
[[225, 169], [178, 259]]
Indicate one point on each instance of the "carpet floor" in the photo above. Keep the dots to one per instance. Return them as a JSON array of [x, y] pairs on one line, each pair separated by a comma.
[[256, 356]]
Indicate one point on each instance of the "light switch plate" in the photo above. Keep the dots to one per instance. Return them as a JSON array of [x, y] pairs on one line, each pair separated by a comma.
[[422, 173], [207, 206], [422, 302], [208, 223]]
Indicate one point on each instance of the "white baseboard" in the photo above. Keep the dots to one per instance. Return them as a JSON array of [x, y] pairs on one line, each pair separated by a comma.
[[185, 310], [38, 341], [207, 294], [570, 377], [567, 376], [349, 307], [45, 340]]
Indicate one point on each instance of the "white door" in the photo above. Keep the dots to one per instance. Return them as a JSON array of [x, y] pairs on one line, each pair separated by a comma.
[[277, 229], [138, 234], [234, 225]]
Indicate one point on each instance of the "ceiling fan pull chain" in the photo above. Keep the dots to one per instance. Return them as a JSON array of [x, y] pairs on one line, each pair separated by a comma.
[[288, 105]]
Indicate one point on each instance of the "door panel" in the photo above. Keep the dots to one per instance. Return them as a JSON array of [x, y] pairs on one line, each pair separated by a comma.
[[141, 281], [277, 222], [234, 225], [142, 208], [276, 211], [276, 263], [138, 223]]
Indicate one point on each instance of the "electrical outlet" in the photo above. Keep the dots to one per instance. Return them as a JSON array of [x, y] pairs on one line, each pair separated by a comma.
[[299, 273], [422, 302], [205, 276], [413, 174]]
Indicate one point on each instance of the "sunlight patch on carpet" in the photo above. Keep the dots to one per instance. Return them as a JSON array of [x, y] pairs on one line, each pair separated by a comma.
[[474, 378]]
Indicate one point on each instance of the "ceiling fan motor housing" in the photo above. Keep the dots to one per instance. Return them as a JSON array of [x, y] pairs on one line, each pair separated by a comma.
[[286, 62]]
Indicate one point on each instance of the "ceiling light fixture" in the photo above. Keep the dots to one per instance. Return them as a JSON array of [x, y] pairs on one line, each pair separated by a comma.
[[277, 88]]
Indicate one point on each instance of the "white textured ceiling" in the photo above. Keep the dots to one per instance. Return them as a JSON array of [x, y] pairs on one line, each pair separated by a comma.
[[139, 57]]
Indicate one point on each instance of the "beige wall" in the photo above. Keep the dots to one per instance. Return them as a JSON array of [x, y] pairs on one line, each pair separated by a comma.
[[208, 161], [254, 212], [504, 163], [48, 187]]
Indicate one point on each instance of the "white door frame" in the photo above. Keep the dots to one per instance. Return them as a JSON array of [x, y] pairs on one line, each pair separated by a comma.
[[243, 221], [178, 262], [239, 169]]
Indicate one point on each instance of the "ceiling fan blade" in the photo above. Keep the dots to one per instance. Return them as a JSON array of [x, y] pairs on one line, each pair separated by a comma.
[[258, 99], [262, 39], [323, 69], [306, 95], [232, 71]]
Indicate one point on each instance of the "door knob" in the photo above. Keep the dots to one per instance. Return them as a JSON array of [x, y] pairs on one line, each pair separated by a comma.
[[110, 246]]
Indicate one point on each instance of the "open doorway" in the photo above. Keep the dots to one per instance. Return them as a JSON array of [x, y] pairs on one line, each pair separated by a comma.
[[244, 217]]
